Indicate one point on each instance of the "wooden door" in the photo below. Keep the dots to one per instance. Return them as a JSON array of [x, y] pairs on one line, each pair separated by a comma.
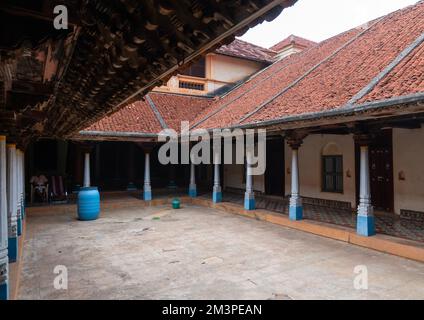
[[381, 172]]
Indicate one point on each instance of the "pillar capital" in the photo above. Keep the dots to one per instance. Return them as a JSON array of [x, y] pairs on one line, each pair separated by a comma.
[[147, 147], [363, 138], [295, 138]]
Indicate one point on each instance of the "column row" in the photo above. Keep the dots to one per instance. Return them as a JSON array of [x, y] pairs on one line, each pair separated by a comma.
[[12, 208]]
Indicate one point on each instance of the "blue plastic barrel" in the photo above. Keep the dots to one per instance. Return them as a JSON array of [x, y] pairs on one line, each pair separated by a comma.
[[88, 203]]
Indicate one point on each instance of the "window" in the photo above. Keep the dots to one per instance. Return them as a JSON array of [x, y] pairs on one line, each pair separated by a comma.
[[197, 69], [191, 85], [332, 174]]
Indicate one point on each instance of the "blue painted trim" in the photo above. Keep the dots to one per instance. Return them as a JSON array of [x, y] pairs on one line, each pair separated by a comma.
[[217, 197], [4, 291], [249, 204], [12, 251], [23, 211], [192, 193], [365, 226], [147, 195], [19, 226], [296, 213]]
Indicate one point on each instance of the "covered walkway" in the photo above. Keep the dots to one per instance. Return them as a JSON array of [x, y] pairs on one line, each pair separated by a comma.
[[388, 224]]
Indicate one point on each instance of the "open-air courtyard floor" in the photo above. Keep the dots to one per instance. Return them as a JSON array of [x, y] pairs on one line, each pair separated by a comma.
[[200, 253]]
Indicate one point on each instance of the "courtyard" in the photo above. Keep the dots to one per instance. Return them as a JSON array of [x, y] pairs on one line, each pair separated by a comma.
[[199, 253]]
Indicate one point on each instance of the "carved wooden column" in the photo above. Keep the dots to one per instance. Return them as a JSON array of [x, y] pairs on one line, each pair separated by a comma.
[[217, 190], [365, 225], [4, 260], [19, 196], [11, 203], [295, 140], [249, 195], [87, 149], [192, 189]]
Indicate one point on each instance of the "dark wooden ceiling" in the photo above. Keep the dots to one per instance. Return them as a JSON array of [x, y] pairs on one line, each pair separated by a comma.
[[56, 82]]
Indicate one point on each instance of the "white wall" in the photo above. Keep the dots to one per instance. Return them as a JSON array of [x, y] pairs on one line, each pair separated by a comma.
[[310, 167], [408, 158], [229, 69], [408, 161], [233, 178]]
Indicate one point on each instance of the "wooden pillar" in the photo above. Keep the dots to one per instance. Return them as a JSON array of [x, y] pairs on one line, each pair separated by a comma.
[[147, 188], [249, 195], [192, 189], [217, 190], [295, 140], [365, 225], [11, 203], [4, 260]]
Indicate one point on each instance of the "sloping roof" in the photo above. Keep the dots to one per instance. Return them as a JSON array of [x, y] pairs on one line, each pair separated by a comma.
[[381, 60], [242, 49], [292, 40], [325, 76], [158, 111]]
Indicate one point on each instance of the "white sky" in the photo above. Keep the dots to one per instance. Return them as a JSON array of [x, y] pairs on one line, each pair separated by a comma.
[[318, 20]]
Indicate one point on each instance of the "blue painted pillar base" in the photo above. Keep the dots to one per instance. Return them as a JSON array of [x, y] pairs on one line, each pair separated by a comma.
[[192, 192], [19, 226], [147, 195], [296, 213], [12, 251], [4, 291], [365, 225], [217, 197], [249, 203]]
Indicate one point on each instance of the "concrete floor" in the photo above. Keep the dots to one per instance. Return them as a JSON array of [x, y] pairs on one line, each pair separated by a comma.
[[201, 253]]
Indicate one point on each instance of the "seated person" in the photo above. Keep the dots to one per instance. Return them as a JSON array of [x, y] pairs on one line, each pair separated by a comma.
[[39, 184]]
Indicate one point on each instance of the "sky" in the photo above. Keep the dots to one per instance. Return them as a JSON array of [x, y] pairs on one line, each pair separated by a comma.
[[318, 20]]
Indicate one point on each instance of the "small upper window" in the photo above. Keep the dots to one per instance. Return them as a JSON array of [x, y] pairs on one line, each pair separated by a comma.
[[197, 69], [332, 173]]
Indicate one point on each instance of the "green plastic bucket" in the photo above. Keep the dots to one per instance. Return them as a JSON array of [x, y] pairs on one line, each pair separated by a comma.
[[176, 204]]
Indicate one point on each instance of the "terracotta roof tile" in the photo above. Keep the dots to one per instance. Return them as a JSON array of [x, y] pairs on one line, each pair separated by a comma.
[[136, 117], [242, 49], [175, 108], [407, 78], [291, 40], [139, 116], [269, 83], [323, 77], [339, 79]]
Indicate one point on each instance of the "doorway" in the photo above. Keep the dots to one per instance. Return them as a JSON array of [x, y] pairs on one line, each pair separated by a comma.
[[381, 172], [274, 174]]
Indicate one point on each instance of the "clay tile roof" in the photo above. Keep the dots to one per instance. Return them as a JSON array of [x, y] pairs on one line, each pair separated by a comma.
[[136, 117], [141, 117], [242, 49], [328, 75], [291, 40], [380, 60]]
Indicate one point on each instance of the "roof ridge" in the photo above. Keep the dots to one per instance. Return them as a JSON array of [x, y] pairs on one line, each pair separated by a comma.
[[294, 83], [156, 112], [376, 80]]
